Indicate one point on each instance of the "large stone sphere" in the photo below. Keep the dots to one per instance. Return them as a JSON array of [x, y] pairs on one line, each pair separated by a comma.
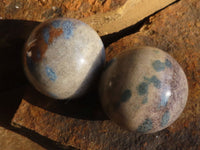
[[62, 57], [143, 90]]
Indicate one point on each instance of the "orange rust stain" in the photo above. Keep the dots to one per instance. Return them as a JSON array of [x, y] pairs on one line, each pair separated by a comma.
[[41, 48], [91, 2], [107, 5], [54, 33], [145, 144], [43, 2], [186, 124], [73, 5], [6, 3]]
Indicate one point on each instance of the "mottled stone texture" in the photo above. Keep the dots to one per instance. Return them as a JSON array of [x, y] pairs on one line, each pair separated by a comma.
[[175, 30], [143, 89], [57, 52]]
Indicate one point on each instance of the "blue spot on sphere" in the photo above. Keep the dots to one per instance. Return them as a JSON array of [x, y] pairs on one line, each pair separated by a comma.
[[56, 23], [143, 88], [158, 65], [68, 29], [50, 73], [46, 35], [145, 126], [165, 119], [126, 95], [168, 63], [156, 82]]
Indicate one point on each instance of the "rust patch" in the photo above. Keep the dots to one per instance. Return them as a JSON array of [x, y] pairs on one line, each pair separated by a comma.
[[54, 33], [39, 46], [38, 50]]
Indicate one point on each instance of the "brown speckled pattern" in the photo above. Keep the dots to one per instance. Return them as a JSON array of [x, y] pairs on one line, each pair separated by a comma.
[[143, 90]]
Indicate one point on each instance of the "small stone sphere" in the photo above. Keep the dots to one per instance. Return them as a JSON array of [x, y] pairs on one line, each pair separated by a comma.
[[62, 57], [143, 90]]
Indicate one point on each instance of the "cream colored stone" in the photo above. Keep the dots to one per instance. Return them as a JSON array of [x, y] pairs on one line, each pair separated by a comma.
[[132, 12]]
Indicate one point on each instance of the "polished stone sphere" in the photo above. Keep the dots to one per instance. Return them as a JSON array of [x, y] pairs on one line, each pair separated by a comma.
[[143, 90], [62, 57]]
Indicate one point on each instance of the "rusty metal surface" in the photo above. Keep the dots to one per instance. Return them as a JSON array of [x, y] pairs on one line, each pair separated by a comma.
[[40, 10], [82, 124], [10, 140], [105, 16]]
